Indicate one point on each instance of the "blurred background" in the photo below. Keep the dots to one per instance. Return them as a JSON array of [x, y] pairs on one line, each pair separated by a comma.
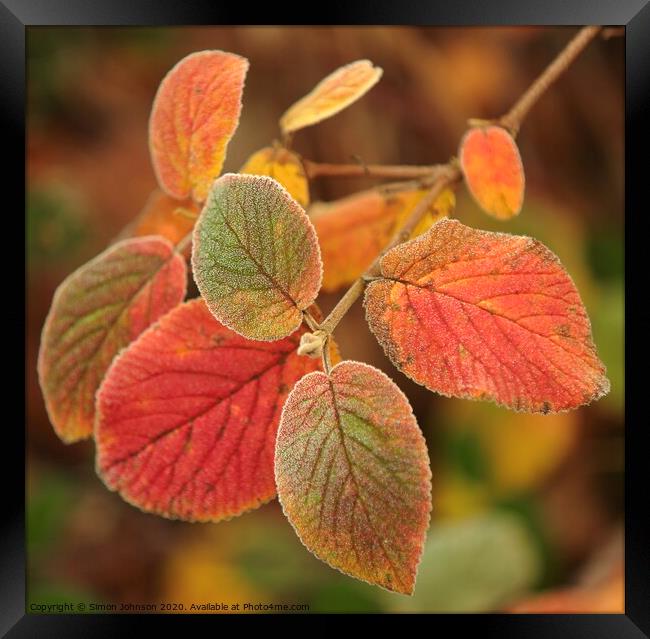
[[527, 510]]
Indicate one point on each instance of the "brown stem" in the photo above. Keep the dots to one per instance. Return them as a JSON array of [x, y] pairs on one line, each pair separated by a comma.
[[320, 169], [613, 32], [343, 305], [513, 119], [184, 247]]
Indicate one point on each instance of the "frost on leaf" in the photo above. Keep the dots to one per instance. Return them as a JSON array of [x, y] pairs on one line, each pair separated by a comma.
[[255, 257], [482, 315], [352, 472], [96, 311], [285, 167], [493, 171], [331, 95], [188, 414], [354, 230], [194, 115]]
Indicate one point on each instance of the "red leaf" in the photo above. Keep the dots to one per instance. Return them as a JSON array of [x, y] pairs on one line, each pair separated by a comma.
[[353, 476], [97, 311], [483, 315], [187, 416]]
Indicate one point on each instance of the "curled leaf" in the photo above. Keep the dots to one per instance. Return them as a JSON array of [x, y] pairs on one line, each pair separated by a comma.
[[194, 115], [493, 170], [255, 257], [352, 472], [483, 315], [97, 311], [166, 216], [354, 230], [331, 95], [285, 167], [187, 416]]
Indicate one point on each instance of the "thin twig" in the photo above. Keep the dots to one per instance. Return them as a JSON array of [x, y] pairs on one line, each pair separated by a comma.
[[184, 247], [513, 119], [613, 32], [321, 169]]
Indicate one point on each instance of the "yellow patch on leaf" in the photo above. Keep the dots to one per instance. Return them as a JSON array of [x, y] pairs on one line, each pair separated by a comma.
[[195, 114], [354, 230], [331, 95], [282, 165]]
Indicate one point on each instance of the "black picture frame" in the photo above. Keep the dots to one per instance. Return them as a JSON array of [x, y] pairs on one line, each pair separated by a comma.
[[17, 15]]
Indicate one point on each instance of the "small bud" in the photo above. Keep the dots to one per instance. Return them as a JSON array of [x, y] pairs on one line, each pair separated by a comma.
[[311, 344]]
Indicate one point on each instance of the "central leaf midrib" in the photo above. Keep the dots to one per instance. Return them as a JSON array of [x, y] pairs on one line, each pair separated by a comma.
[[339, 425], [263, 271], [188, 420]]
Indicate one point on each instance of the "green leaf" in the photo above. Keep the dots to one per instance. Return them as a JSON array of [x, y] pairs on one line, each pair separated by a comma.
[[255, 257]]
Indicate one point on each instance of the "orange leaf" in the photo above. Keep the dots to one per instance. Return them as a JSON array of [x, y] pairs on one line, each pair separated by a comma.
[[285, 167], [166, 216], [187, 416], [331, 95], [485, 315], [194, 115], [354, 230], [493, 171], [608, 597], [352, 472]]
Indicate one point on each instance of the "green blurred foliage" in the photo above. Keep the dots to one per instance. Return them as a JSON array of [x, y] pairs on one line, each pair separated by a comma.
[[475, 565], [56, 229]]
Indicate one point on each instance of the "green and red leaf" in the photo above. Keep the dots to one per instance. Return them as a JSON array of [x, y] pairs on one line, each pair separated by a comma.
[[493, 170], [97, 311], [483, 315], [352, 473], [194, 115], [255, 257], [188, 414]]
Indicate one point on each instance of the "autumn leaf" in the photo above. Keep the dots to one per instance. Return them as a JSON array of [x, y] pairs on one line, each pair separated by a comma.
[[484, 315], [166, 216], [608, 597], [352, 472], [474, 565], [194, 115], [255, 257], [96, 311], [331, 95], [285, 167], [493, 171], [187, 417], [354, 230]]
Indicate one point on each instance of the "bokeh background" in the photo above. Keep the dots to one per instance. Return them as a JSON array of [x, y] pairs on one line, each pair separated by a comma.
[[527, 510]]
